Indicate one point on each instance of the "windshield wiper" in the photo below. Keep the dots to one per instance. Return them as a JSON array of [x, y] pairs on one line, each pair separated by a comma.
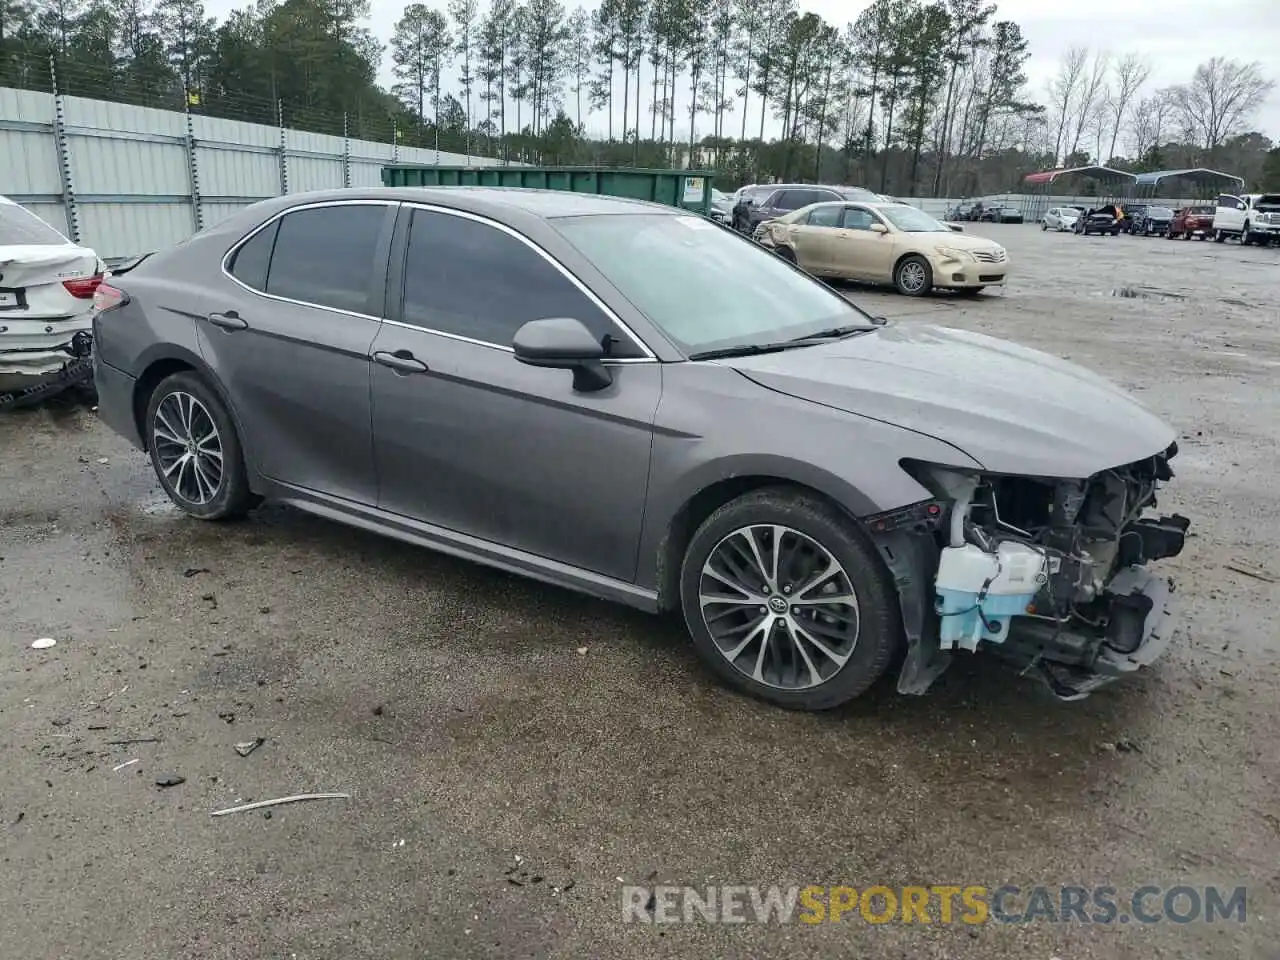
[[835, 333], [808, 340], [745, 350]]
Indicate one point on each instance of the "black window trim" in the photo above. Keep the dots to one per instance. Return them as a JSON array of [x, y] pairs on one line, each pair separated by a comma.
[[582, 288], [230, 254]]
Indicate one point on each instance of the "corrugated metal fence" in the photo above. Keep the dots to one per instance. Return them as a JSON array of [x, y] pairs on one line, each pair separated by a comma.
[[125, 179]]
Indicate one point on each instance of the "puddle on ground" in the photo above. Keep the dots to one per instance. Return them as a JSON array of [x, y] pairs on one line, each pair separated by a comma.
[[159, 505], [1146, 293]]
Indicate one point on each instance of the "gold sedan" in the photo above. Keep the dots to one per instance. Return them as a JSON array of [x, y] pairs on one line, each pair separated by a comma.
[[885, 243]]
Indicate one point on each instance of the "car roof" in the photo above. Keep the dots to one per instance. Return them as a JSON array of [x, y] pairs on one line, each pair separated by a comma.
[[493, 201]]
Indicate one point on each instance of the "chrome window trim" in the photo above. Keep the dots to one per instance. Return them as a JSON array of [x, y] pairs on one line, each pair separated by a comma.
[[604, 308], [226, 259]]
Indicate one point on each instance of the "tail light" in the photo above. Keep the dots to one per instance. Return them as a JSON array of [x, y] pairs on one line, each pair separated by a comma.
[[107, 297], [83, 288]]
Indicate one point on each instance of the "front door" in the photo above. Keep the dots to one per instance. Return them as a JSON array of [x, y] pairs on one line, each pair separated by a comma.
[[868, 255], [289, 338], [468, 438]]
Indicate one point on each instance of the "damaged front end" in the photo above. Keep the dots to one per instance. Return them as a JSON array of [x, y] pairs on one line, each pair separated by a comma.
[[1047, 573]]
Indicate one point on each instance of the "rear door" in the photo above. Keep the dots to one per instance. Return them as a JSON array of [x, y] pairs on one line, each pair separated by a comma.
[[288, 332], [816, 238], [470, 439]]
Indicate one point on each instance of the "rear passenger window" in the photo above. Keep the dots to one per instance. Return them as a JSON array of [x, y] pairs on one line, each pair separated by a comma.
[[825, 216], [473, 280], [325, 256], [249, 265]]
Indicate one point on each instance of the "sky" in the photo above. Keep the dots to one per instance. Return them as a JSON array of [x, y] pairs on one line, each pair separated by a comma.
[[1175, 35]]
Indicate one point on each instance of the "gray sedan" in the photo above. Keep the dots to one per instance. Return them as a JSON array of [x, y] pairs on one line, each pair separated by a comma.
[[631, 401]]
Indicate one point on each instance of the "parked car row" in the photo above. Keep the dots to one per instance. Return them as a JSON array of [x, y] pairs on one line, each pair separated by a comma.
[[1251, 218], [980, 212]]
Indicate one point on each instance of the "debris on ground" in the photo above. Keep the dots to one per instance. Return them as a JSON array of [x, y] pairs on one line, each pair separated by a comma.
[[379, 710], [125, 743], [259, 804], [1250, 571], [194, 571], [248, 746], [227, 716], [128, 763], [44, 643], [170, 781], [1127, 746], [582, 650]]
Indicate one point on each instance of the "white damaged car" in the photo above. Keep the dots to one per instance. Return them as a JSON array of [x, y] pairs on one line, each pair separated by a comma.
[[46, 301]]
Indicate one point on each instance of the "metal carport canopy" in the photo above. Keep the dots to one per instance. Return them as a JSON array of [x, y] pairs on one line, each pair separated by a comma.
[[1098, 173], [1199, 175]]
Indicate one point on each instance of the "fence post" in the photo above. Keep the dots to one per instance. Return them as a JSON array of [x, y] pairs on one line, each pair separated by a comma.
[[284, 145], [63, 146], [193, 168], [346, 152]]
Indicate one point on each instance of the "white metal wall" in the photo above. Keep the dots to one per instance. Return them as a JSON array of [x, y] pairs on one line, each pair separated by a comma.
[[126, 180]]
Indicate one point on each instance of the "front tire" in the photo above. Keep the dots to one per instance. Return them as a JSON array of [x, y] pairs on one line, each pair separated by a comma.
[[195, 450], [787, 602], [913, 276], [787, 254]]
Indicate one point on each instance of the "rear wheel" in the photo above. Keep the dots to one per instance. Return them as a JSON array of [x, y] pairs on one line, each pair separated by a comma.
[[195, 450], [786, 600], [913, 276]]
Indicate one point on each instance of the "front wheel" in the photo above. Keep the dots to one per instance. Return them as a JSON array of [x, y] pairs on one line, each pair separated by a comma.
[[913, 276], [195, 450], [786, 253], [787, 601]]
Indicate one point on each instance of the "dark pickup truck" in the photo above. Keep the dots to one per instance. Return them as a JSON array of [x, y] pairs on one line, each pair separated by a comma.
[[1104, 219]]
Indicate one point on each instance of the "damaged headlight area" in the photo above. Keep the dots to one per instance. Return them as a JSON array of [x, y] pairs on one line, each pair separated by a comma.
[[1048, 573]]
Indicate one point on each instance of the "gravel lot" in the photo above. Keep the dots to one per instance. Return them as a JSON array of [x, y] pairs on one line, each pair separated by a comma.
[[455, 707]]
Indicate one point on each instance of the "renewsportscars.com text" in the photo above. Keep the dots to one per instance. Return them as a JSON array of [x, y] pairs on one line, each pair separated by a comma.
[[940, 904]]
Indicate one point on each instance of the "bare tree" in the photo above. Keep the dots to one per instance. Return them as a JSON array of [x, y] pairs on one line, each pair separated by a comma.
[[1063, 93], [1221, 98], [1131, 72], [1150, 117], [1092, 83]]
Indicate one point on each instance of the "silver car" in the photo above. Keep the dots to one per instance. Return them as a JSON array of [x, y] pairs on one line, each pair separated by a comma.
[[628, 400], [1060, 218]]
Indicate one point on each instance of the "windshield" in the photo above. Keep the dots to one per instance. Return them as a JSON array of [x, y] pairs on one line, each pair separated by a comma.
[[1202, 210], [704, 286], [21, 227], [911, 220], [1159, 212]]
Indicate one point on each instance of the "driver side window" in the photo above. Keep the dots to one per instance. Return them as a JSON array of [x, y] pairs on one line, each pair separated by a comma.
[[468, 279]]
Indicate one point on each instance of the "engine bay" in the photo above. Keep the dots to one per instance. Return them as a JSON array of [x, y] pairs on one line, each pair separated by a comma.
[[1051, 572]]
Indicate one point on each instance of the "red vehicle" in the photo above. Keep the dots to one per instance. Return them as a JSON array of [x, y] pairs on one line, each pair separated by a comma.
[[1191, 222]]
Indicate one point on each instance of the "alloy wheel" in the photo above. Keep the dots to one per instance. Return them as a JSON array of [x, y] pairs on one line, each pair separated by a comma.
[[911, 275], [188, 448], [779, 607]]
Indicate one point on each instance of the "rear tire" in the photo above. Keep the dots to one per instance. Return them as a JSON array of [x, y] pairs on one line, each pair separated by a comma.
[[913, 276], [778, 655], [195, 450]]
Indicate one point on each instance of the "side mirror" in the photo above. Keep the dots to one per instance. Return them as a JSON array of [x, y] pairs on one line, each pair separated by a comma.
[[879, 228], [564, 343]]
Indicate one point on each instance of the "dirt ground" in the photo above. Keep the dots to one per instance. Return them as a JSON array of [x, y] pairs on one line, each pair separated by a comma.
[[481, 749]]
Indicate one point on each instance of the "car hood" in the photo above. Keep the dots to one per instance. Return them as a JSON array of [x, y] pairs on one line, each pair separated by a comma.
[[1010, 408]]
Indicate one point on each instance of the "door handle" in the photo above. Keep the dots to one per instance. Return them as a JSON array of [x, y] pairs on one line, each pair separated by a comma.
[[402, 361], [230, 320]]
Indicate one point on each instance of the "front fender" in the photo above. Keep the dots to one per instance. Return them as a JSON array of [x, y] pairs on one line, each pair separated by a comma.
[[713, 425]]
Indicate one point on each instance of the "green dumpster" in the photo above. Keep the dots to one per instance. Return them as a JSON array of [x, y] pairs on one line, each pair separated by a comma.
[[690, 189]]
